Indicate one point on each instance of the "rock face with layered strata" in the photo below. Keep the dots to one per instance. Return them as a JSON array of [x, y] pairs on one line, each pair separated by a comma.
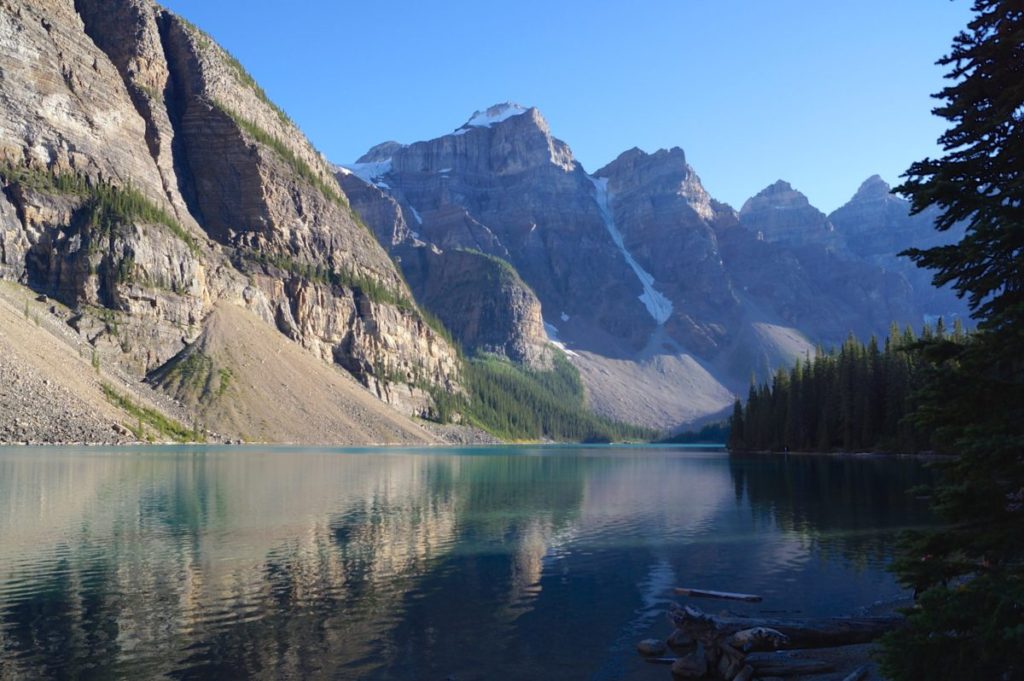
[[479, 298], [502, 184], [147, 179], [781, 214]]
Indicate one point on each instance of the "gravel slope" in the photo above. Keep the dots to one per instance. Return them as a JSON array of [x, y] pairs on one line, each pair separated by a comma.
[[49, 394], [278, 392]]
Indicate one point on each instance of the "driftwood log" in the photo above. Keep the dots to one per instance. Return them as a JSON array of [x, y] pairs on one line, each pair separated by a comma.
[[823, 632], [742, 648], [724, 595], [858, 673]]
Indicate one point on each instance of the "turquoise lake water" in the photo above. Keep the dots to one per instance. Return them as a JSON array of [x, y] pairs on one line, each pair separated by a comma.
[[461, 564]]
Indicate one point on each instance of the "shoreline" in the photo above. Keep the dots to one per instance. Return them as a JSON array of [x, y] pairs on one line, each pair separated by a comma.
[[924, 456]]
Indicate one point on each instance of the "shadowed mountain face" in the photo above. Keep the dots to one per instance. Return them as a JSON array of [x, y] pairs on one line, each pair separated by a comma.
[[876, 225], [638, 270]]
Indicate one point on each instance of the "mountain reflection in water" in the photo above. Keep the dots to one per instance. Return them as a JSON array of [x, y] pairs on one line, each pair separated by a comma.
[[432, 564]]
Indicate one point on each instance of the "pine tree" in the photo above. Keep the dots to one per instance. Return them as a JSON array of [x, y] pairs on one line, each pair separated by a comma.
[[970, 617], [736, 430]]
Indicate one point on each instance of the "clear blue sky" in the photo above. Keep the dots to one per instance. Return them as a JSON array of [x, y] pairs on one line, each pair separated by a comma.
[[817, 92]]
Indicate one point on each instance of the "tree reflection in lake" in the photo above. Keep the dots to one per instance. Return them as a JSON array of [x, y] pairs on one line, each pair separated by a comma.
[[850, 505], [212, 563]]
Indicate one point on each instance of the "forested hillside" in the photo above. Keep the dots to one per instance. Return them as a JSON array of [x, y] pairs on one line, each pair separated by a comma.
[[859, 397], [517, 403]]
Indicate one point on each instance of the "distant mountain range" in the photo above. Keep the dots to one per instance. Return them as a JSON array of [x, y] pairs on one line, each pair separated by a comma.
[[666, 299]]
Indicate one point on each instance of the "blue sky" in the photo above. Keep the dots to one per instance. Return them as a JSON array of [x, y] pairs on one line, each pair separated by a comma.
[[819, 93]]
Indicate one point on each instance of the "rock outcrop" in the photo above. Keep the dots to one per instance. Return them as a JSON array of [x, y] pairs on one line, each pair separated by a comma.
[[781, 214], [147, 179], [482, 300], [478, 297]]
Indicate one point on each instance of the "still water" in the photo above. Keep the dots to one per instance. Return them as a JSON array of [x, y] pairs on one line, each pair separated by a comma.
[[463, 564]]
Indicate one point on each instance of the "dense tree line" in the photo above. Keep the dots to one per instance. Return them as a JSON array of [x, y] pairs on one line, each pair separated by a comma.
[[855, 398]]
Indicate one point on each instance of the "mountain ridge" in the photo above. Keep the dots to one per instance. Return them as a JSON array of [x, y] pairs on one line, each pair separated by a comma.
[[637, 261]]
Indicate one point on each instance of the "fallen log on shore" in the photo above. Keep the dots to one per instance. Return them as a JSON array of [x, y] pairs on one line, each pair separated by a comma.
[[723, 595], [739, 648], [823, 632]]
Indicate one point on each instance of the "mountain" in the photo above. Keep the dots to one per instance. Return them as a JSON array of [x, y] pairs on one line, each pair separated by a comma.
[[167, 227], [781, 214], [666, 299], [150, 189], [876, 225]]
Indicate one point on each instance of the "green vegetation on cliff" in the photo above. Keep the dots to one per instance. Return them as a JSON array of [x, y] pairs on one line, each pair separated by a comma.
[[517, 403], [241, 73], [344, 277], [297, 164], [110, 206], [167, 429]]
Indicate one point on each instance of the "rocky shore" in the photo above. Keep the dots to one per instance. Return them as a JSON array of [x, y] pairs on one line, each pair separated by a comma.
[[35, 410]]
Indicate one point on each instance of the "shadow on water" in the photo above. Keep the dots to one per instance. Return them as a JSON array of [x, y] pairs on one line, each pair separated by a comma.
[[849, 505], [542, 564]]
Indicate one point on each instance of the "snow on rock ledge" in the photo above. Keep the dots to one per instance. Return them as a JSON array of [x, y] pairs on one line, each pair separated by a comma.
[[492, 115]]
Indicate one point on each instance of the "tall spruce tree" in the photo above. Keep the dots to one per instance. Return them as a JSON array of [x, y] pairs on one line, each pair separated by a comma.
[[969, 619]]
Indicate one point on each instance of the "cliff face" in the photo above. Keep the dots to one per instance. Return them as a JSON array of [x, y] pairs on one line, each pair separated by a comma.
[[503, 185], [482, 300], [479, 298], [147, 178]]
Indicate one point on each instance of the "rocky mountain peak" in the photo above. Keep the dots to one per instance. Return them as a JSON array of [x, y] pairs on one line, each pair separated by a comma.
[[496, 114], [505, 138], [509, 117], [664, 172], [661, 162], [873, 189], [779, 193], [381, 152], [780, 213]]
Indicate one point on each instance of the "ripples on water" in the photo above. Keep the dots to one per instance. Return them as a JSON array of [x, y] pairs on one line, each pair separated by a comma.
[[432, 564]]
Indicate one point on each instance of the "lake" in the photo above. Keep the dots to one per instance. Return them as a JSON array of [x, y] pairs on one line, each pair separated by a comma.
[[464, 564]]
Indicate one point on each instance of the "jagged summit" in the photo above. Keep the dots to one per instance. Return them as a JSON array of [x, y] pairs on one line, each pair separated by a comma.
[[776, 188], [873, 188], [674, 158], [780, 213], [779, 194], [492, 115]]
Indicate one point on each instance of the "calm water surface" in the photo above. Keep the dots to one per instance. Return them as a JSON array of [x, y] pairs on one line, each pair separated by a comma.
[[515, 563]]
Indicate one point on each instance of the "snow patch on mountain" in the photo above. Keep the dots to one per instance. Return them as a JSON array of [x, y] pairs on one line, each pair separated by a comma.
[[488, 117], [656, 303], [552, 332], [371, 172]]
